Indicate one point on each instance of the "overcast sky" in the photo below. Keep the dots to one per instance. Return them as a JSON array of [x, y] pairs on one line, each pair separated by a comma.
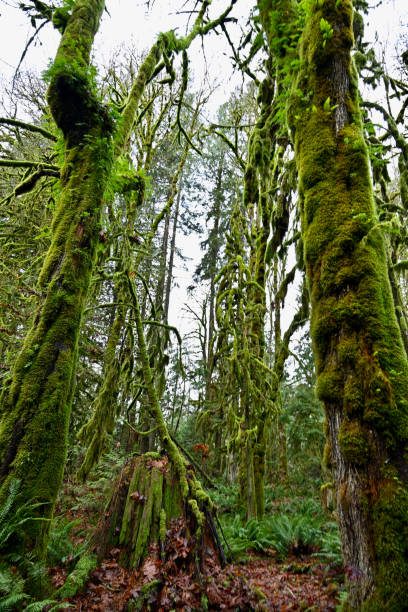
[[129, 22]]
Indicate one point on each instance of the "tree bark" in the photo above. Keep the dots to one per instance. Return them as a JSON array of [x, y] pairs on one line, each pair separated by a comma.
[[36, 402], [362, 371], [171, 254], [145, 502]]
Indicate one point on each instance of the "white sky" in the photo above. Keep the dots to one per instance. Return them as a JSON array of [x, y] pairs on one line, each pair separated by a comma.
[[129, 23]]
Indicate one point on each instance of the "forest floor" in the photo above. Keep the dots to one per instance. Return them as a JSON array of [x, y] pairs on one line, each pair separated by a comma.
[[290, 560], [256, 584], [263, 581]]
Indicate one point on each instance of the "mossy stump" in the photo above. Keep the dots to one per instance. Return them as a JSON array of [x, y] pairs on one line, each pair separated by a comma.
[[146, 504], [149, 524]]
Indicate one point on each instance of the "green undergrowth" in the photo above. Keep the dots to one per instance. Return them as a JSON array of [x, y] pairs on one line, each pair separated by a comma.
[[283, 534], [86, 501], [294, 524], [66, 544], [24, 580], [21, 574]]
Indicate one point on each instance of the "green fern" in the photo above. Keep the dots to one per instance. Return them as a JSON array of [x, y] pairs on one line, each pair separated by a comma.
[[10, 581], [295, 534], [18, 570], [10, 520], [330, 548], [38, 606], [61, 550], [224, 496], [249, 536], [13, 492], [12, 602]]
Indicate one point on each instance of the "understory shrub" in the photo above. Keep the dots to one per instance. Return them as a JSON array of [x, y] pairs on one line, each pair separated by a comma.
[[20, 573]]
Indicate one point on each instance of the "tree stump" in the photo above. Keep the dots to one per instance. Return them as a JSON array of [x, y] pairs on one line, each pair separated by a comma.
[[146, 505], [162, 543]]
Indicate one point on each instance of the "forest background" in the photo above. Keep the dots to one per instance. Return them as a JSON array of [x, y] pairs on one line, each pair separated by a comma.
[[201, 162]]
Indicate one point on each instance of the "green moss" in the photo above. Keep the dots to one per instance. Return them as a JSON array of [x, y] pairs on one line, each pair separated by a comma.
[[36, 406], [391, 543], [77, 580], [163, 525], [347, 350], [139, 604], [149, 519], [152, 455], [361, 365], [141, 519], [172, 500], [197, 513], [354, 444], [329, 386], [353, 399]]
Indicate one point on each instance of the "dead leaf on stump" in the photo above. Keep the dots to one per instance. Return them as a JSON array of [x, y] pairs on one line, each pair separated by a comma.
[[138, 497]]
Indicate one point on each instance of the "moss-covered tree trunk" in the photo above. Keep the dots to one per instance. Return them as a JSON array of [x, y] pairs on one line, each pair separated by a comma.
[[35, 404], [362, 373], [36, 401]]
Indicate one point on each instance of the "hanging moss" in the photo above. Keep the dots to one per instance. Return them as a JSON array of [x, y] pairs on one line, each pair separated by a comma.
[[96, 431], [36, 403]]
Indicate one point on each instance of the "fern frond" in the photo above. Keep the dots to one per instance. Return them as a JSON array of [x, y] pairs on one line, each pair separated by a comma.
[[8, 604]]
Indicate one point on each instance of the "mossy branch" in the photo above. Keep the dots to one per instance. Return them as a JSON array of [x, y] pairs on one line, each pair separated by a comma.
[[154, 406], [141, 433], [244, 65], [199, 29], [283, 289], [25, 163], [231, 145], [195, 463], [165, 326], [28, 126], [191, 489], [401, 265], [30, 182]]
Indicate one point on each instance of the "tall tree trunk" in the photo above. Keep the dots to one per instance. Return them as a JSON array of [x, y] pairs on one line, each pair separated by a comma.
[[362, 371], [277, 343], [208, 358], [104, 406], [36, 403]]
